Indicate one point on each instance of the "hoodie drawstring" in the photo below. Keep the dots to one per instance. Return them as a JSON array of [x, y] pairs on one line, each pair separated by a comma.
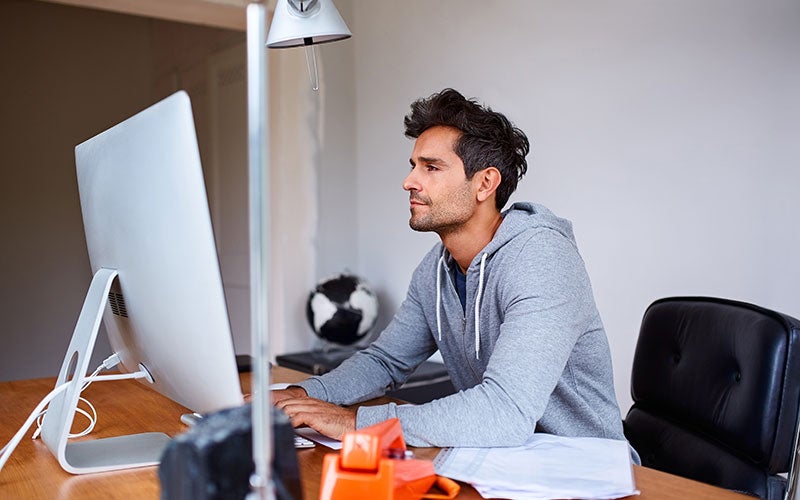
[[478, 296], [478, 308], [439, 296]]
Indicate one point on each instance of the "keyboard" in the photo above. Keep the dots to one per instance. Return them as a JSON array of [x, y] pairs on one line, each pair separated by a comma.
[[301, 442], [191, 419]]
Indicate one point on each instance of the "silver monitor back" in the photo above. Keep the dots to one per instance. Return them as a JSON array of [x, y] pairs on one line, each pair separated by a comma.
[[147, 222]]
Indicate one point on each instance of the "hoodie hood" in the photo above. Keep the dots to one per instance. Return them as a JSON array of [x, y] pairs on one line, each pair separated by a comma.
[[522, 216], [519, 218]]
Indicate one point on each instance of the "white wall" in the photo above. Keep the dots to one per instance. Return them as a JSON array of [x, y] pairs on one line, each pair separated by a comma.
[[336, 245], [667, 131]]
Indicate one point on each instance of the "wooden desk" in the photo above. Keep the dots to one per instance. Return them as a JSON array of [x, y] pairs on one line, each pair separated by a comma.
[[126, 407]]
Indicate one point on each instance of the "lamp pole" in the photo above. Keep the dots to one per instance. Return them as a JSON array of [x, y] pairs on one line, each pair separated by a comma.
[[299, 22], [261, 483]]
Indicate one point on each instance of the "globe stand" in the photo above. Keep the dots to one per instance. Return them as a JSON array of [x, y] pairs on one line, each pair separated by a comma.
[[322, 359], [316, 361], [324, 355]]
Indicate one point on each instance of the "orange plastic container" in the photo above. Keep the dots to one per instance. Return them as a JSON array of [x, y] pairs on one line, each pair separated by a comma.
[[373, 465]]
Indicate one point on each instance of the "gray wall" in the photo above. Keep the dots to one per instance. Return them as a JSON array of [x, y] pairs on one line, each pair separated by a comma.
[[667, 131], [67, 74], [59, 87]]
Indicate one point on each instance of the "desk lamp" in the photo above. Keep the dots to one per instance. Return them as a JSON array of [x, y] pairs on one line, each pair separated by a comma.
[[295, 23]]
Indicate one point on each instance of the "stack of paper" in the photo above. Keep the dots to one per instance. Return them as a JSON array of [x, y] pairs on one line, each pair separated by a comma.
[[545, 467]]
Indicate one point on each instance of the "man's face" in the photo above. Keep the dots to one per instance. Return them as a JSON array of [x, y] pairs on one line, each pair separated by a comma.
[[441, 197]]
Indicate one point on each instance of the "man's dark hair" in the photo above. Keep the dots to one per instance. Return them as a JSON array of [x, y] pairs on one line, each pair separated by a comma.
[[488, 139]]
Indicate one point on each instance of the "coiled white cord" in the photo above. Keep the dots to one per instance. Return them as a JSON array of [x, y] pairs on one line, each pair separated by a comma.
[[109, 363], [39, 411]]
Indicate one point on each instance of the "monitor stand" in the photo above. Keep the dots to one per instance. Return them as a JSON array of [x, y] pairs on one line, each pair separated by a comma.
[[98, 455]]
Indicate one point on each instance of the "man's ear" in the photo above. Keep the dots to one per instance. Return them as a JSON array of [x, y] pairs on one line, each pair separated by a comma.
[[488, 181]]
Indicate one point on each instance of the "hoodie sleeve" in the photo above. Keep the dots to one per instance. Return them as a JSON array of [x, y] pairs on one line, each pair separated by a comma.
[[386, 363], [542, 304]]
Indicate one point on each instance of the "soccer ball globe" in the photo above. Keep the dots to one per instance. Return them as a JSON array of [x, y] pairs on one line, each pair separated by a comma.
[[342, 309]]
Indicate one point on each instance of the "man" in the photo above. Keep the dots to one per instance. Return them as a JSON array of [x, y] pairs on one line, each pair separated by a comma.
[[504, 297]]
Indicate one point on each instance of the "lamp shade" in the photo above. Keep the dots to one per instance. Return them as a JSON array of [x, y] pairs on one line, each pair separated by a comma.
[[305, 22]]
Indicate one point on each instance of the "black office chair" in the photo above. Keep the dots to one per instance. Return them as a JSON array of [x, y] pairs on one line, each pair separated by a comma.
[[716, 388]]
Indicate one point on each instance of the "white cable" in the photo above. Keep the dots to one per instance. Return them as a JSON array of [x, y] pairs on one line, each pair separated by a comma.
[[9, 448], [121, 376], [91, 418], [111, 361], [12, 444], [107, 364], [91, 377]]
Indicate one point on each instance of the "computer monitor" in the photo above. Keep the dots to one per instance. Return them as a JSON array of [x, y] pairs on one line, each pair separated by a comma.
[[156, 284]]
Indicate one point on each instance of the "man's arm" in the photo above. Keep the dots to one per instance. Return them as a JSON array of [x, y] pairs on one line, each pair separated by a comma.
[[385, 364], [547, 306]]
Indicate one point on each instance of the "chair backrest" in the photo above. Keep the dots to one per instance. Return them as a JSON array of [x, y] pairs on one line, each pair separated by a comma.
[[716, 388]]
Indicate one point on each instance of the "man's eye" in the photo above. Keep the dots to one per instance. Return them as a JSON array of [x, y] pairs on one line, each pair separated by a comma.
[[431, 167]]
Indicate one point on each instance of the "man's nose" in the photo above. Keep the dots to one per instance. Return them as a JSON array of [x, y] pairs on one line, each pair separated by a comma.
[[410, 183]]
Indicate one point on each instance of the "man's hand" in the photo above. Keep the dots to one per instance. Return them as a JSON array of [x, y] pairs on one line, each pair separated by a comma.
[[326, 418], [292, 392]]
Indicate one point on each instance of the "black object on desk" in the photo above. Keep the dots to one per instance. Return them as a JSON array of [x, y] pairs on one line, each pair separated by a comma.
[[430, 381], [213, 460], [244, 363]]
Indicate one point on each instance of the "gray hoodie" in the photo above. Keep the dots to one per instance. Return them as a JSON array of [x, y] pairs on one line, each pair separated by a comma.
[[529, 354]]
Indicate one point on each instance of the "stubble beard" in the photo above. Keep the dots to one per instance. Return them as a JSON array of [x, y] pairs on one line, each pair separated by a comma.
[[444, 216]]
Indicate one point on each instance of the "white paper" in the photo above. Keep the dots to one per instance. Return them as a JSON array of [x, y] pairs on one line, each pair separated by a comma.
[[545, 467], [309, 433]]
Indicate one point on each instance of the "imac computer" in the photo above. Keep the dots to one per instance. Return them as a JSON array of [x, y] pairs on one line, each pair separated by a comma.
[[156, 282]]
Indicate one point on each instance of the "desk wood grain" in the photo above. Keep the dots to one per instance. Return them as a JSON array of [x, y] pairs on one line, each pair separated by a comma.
[[127, 407]]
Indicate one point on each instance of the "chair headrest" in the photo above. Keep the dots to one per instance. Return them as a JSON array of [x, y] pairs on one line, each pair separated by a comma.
[[725, 369]]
